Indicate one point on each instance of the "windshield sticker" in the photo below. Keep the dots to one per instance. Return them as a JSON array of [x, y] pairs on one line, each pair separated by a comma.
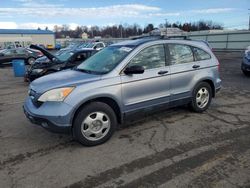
[[126, 49]]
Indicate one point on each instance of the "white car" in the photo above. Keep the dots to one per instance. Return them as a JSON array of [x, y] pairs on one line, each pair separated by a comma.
[[247, 50], [94, 45]]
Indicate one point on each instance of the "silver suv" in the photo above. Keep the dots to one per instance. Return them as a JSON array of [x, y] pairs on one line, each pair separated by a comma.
[[92, 99]]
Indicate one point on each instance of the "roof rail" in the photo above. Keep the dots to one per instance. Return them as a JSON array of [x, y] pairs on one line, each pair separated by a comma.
[[147, 36], [160, 37], [179, 37]]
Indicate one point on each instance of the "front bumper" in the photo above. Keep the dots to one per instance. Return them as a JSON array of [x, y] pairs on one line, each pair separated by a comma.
[[29, 76], [53, 116]]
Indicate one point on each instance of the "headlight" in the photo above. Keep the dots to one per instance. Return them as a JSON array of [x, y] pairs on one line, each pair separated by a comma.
[[37, 70], [58, 94]]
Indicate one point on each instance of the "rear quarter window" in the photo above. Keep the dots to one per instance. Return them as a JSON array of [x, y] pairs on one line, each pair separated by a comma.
[[200, 54]]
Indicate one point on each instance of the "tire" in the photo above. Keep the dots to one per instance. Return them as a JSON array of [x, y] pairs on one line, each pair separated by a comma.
[[30, 60], [94, 124], [201, 97], [246, 73], [49, 72]]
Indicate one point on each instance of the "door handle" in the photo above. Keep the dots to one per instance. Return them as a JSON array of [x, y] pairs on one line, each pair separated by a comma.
[[162, 72], [196, 66]]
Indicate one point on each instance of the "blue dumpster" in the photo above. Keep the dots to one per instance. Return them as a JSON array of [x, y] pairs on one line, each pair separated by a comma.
[[18, 67]]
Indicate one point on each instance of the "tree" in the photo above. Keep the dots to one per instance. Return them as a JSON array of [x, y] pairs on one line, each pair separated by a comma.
[[148, 28], [126, 30], [167, 24]]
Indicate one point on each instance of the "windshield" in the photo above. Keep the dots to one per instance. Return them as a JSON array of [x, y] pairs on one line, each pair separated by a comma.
[[105, 60], [3, 51], [83, 45], [64, 56], [90, 45], [71, 45]]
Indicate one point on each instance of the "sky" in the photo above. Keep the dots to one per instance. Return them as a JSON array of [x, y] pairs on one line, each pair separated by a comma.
[[31, 14]]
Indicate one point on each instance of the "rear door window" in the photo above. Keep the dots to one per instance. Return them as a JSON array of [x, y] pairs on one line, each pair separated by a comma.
[[20, 51], [100, 45], [180, 54]]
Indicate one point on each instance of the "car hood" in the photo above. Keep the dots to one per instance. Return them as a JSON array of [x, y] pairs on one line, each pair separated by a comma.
[[45, 52], [42, 62], [62, 79]]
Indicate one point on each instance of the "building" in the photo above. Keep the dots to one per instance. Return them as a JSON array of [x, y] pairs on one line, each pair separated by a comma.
[[218, 39], [170, 31], [84, 35], [223, 39], [25, 37]]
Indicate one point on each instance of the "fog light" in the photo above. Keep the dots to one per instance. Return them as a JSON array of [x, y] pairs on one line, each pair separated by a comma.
[[45, 124]]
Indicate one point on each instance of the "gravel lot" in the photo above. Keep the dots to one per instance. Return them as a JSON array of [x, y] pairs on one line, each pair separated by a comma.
[[174, 148]]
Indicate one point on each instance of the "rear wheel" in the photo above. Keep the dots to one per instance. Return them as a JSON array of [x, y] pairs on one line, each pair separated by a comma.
[[202, 96], [94, 124]]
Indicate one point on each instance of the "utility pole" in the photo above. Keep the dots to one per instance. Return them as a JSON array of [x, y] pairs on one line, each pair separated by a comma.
[[166, 25], [121, 31], [249, 21]]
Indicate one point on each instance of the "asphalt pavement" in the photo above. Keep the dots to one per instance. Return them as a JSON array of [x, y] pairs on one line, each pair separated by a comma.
[[173, 148]]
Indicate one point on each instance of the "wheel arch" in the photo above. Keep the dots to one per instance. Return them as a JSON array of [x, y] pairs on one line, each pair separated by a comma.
[[210, 82], [104, 99]]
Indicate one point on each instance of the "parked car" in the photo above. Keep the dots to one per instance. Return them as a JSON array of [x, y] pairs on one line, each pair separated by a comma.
[[41, 45], [50, 47], [71, 46], [58, 46], [245, 65], [93, 45], [27, 54], [53, 63], [121, 81]]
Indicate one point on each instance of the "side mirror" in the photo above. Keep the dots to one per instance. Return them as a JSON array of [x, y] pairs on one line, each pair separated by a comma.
[[136, 69]]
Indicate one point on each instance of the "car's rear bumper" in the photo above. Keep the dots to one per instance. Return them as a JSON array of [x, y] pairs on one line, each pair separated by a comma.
[[245, 67], [217, 89], [217, 85]]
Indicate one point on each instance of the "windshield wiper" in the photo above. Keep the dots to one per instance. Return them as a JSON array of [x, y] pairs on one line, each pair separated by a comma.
[[85, 71]]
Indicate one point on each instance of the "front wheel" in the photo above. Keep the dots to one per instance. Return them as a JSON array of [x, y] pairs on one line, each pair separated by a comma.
[[247, 73], [201, 98], [94, 124], [31, 61]]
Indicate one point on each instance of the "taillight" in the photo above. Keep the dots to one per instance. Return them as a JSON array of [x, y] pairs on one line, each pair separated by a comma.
[[218, 65]]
